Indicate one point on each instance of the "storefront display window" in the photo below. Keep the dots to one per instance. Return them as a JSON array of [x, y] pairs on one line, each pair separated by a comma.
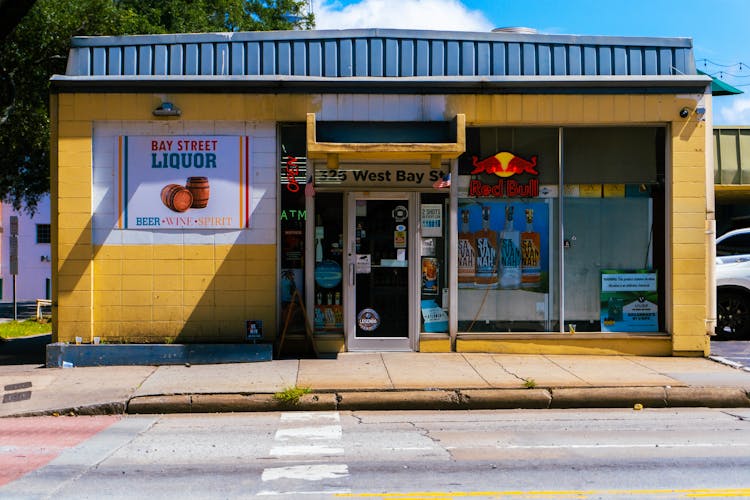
[[536, 237], [507, 227], [292, 173], [613, 226], [328, 310], [434, 209]]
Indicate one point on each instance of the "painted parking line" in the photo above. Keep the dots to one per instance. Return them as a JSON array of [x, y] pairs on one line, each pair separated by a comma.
[[29, 443]]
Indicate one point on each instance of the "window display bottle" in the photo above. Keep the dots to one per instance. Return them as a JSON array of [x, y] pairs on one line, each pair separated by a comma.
[[531, 269], [487, 254], [467, 252], [510, 253], [319, 235], [318, 250]]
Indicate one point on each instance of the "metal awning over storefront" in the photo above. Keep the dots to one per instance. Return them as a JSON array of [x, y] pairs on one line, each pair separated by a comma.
[[435, 152]]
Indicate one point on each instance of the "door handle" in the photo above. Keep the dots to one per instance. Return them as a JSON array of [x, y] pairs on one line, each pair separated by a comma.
[[352, 274]]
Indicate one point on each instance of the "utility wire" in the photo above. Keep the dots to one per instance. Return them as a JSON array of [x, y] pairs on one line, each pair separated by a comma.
[[706, 62]]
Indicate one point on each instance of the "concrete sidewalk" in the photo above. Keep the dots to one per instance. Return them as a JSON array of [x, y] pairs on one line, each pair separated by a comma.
[[378, 381]]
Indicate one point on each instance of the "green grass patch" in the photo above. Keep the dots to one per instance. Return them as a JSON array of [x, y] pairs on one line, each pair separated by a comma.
[[291, 395], [16, 329]]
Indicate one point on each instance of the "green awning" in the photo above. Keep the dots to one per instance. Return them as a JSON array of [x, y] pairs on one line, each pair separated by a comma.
[[719, 87]]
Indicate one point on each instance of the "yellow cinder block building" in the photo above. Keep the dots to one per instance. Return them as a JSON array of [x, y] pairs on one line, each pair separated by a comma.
[[407, 190]]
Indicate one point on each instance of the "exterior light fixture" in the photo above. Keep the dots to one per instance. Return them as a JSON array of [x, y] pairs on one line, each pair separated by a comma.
[[167, 109], [699, 112]]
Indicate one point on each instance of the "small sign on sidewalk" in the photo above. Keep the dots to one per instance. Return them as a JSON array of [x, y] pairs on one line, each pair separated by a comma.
[[254, 329]]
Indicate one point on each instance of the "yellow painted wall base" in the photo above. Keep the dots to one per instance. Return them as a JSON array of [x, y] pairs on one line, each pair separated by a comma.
[[330, 344], [432, 344], [655, 346], [689, 354]]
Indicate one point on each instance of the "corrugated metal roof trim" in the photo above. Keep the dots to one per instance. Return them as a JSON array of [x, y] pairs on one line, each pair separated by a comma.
[[377, 53], [244, 36]]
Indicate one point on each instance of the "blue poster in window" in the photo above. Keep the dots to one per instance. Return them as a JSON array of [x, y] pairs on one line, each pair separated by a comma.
[[629, 301]]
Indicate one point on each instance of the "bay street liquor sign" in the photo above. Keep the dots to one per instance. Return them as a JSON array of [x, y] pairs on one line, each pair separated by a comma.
[[183, 182]]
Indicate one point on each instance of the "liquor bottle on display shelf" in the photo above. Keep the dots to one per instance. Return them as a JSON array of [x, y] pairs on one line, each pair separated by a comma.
[[510, 253], [467, 252], [487, 254], [531, 269]]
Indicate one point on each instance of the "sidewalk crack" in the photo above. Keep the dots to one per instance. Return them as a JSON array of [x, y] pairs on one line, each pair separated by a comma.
[[494, 360], [475, 370], [566, 370], [385, 366], [144, 381]]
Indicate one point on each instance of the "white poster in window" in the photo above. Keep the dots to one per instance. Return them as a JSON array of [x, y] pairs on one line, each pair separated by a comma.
[[432, 220], [183, 182], [364, 263], [428, 247]]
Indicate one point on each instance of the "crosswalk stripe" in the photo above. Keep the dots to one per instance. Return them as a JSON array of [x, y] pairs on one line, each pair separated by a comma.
[[301, 450], [308, 472], [322, 432], [306, 436]]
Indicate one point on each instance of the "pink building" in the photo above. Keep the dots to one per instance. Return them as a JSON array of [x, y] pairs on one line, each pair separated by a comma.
[[34, 278]]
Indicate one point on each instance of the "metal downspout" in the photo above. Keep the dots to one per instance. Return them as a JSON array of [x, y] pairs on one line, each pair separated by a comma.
[[710, 220]]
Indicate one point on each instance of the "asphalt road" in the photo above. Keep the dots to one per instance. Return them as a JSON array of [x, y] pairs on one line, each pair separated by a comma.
[[24, 350], [388, 455], [24, 310], [737, 351]]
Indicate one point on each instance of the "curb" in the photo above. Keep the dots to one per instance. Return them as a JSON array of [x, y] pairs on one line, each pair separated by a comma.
[[712, 397], [226, 403], [112, 408], [434, 400], [604, 397], [399, 400], [470, 399], [507, 399]]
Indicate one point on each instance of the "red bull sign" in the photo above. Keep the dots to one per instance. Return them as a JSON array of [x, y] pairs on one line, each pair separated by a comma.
[[504, 165]]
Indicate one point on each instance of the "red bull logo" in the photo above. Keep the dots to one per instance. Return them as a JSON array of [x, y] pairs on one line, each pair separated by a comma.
[[504, 164]]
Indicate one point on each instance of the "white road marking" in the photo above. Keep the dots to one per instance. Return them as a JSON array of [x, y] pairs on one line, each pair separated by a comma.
[[301, 450], [266, 493], [320, 432], [307, 444], [305, 416], [310, 472]]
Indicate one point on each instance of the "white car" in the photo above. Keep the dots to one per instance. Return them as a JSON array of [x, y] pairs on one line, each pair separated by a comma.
[[733, 246], [733, 285]]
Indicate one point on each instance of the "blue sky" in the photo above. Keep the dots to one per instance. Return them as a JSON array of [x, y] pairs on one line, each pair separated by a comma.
[[720, 29]]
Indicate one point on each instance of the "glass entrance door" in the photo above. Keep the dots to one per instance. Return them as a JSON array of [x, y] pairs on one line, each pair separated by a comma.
[[380, 278]]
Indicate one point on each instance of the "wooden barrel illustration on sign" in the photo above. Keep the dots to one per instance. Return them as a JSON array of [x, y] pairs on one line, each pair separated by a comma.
[[198, 187], [176, 197]]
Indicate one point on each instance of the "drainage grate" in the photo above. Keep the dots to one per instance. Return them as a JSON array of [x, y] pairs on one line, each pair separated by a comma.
[[14, 397], [15, 387]]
